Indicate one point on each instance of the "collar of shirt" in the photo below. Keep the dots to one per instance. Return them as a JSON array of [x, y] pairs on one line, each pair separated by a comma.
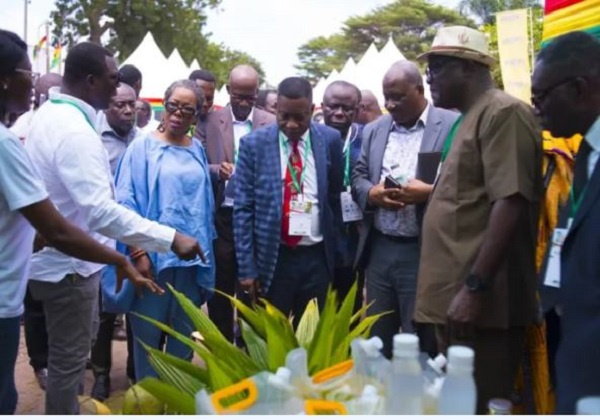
[[248, 119], [593, 135], [56, 94], [302, 139], [421, 122], [103, 127]]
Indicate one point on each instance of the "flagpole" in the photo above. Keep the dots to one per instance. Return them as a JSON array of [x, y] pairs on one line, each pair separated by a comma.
[[25, 22], [47, 48]]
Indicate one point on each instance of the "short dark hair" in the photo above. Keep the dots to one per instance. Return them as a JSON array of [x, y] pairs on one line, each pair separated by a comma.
[[261, 99], [202, 75], [345, 84], [575, 52], [146, 105], [12, 51], [130, 74], [295, 88], [84, 59], [187, 84]]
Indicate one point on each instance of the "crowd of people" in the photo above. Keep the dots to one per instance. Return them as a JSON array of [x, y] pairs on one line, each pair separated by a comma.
[[453, 214]]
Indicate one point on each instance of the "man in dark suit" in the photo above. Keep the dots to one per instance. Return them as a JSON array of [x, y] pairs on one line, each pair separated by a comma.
[[566, 94], [340, 105], [206, 81], [224, 129], [404, 145], [288, 185]]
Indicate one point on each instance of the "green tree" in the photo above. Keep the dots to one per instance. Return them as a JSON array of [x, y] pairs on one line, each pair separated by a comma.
[[485, 10], [173, 23], [411, 23]]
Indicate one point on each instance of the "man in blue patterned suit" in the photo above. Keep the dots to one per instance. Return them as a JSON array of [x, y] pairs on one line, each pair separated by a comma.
[[286, 207]]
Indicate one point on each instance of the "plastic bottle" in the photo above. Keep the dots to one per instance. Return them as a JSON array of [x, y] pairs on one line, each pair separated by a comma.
[[370, 365], [404, 390], [588, 405], [499, 407], [370, 402], [459, 394]]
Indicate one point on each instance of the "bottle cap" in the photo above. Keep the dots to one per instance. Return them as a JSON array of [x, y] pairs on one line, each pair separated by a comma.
[[406, 345], [372, 347], [438, 363], [369, 391], [460, 356], [498, 406], [588, 405]]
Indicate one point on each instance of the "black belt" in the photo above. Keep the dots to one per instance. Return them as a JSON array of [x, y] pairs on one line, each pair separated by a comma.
[[398, 239]]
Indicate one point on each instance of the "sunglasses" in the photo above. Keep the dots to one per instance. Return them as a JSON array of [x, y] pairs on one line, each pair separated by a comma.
[[186, 111]]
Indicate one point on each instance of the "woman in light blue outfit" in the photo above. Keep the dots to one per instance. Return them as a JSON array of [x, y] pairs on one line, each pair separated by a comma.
[[164, 177]]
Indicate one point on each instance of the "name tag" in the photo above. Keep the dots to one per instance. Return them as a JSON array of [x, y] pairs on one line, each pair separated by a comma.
[[300, 217], [229, 192], [552, 276], [350, 210]]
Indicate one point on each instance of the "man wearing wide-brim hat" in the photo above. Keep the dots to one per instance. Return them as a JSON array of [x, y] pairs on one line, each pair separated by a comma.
[[477, 271]]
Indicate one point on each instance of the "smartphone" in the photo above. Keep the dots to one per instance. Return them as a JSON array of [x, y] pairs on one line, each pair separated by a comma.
[[391, 183]]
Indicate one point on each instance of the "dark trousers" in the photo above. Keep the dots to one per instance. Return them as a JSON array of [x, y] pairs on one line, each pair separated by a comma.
[[220, 310], [391, 286], [36, 337], [301, 274], [9, 337], [102, 349], [498, 353]]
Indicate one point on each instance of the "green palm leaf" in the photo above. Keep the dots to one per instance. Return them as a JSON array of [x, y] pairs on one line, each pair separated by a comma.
[[174, 399]]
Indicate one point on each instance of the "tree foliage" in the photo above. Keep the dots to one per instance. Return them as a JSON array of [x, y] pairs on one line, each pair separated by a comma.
[[411, 23], [173, 23], [485, 10]]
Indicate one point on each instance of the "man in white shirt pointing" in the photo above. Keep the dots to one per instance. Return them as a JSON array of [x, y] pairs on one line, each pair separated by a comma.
[[71, 159]]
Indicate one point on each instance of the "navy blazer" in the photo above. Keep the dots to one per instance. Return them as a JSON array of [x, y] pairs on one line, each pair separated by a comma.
[[577, 369], [259, 198]]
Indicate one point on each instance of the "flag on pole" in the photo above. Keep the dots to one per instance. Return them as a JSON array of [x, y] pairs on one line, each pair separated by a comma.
[[39, 45], [57, 53]]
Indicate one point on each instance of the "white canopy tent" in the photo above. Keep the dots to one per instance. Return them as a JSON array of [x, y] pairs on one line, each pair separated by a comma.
[[222, 97], [149, 59]]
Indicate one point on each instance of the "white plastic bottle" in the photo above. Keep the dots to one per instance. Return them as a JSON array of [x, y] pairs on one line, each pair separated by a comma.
[[404, 390], [459, 394]]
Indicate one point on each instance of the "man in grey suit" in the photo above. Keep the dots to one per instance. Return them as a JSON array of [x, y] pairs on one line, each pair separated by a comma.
[[224, 130], [403, 147]]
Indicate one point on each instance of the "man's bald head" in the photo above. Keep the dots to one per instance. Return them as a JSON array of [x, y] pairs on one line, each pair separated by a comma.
[[243, 89], [43, 85], [404, 93], [125, 90], [404, 70], [368, 108]]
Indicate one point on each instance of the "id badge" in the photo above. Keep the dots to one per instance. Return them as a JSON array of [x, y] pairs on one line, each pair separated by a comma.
[[300, 217], [350, 210], [229, 192], [552, 277]]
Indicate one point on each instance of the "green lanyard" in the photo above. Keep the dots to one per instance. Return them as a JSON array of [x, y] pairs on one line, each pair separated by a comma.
[[575, 204], [236, 149], [347, 160], [67, 102], [292, 170], [450, 138]]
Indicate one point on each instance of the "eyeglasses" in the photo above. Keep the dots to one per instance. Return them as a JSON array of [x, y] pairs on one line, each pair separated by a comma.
[[186, 111], [32, 74], [538, 98]]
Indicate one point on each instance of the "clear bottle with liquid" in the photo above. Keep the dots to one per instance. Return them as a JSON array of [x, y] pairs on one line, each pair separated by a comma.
[[459, 394], [404, 390]]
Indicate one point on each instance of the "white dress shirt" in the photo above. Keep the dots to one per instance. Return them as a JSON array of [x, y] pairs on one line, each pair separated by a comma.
[[240, 129], [309, 187], [70, 157], [593, 139], [400, 160]]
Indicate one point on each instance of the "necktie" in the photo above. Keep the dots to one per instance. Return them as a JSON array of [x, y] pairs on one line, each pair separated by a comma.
[[580, 175], [290, 193]]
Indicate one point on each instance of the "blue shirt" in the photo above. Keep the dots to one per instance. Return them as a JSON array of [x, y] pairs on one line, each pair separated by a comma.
[[20, 187]]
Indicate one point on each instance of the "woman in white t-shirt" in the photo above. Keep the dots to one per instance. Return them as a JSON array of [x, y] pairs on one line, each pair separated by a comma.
[[24, 203]]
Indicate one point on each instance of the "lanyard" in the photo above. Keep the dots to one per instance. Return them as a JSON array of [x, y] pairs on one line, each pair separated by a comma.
[[347, 157], [67, 102], [450, 138], [576, 203], [292, 170], [236, 149]]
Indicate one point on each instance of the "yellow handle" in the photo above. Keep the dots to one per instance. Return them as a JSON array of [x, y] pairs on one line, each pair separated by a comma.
[[333, 371], [231, 391], [324, 407]]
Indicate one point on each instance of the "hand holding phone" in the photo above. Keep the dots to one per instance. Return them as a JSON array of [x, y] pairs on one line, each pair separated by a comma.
[[390, 182]]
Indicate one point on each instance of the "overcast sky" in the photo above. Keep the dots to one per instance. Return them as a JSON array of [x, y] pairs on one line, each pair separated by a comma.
[[269, 30]]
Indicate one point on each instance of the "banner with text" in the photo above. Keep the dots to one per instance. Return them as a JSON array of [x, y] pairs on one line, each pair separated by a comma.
[[513, 49]]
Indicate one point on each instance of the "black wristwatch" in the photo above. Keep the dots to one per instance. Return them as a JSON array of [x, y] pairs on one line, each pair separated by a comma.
[[476, 283]]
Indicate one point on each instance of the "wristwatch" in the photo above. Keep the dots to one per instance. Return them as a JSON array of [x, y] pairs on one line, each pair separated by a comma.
[[476, 283]]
